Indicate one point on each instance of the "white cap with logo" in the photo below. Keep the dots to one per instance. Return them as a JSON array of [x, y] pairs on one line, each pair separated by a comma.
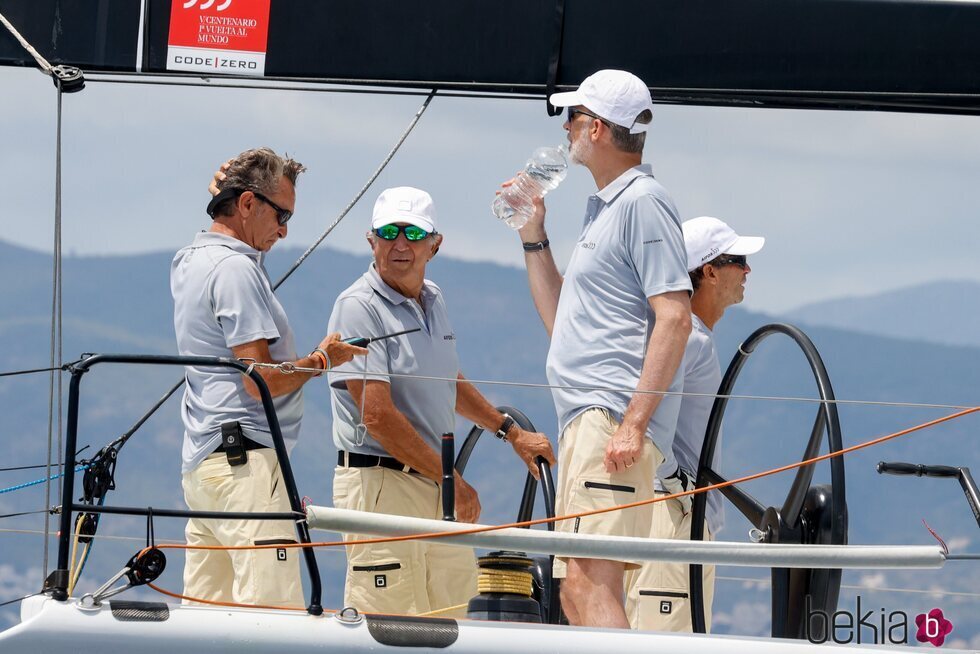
[[615, 95], [404, 204], [705, 238]]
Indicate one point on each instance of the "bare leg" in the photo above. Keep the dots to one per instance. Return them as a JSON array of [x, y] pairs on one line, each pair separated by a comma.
[[568, 604], [595, 590]]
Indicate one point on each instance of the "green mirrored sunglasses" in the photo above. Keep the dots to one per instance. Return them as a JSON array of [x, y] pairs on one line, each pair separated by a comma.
[[412, 232]]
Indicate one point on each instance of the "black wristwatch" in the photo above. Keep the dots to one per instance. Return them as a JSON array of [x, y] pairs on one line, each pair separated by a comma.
[[536, 246], [504, 428]]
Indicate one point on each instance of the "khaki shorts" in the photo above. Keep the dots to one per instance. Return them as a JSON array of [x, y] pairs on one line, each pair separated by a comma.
[[584, 484], [404, 577], [256, 577], [658, 594]]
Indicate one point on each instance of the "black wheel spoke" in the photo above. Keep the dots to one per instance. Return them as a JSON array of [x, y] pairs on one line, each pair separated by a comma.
[[801, 483], [745, 503]]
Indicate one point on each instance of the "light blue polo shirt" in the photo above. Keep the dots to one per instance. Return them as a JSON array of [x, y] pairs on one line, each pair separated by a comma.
[[631, 248], [223, 298], [702, 375], [369, 307]]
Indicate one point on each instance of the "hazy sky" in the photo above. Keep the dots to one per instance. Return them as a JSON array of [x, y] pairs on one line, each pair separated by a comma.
[[851, 203]]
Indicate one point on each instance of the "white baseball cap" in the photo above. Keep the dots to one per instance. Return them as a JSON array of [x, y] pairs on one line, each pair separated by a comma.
[[615, 95], [706, 237], [404, 204]]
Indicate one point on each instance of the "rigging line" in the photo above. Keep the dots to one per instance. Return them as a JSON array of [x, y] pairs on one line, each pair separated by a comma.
[[360, 194], [661, 94], [14, 515], [771, 398], [119, 442], [44, 480], [14, 373], [55, 327], [42, 465], [963, 557], [540, 521], [38, 532], [205, 82], [538, 89], [20, 599], [950, 593], [41, 61]]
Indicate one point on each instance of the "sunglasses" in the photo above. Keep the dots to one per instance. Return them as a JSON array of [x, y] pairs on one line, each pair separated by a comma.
[[739, 260], [282, 215], [412, 232], [572, 112]]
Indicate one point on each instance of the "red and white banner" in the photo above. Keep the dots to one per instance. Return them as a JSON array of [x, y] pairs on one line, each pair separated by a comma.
[[218, 36]]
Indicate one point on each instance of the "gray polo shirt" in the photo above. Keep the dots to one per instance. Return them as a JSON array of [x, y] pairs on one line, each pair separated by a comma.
[[223, 298], [631, 248], [702, 375], [369, 307]]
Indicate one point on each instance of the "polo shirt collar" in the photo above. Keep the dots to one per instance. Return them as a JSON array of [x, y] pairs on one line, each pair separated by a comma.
[[382, 289], [612, 190], [390, 294], [204, 239]]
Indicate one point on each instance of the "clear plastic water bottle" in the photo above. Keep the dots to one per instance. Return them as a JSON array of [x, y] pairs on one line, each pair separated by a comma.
[[542, 173]]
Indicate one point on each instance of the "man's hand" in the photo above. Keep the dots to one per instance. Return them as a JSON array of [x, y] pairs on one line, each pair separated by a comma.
[[680, 482], [467, 502], [533, 230], [529, 445], [624, 448], [338, 351], [219, 176]]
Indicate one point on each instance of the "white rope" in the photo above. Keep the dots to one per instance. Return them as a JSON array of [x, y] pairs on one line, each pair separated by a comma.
[[41, 61], [769, 398], [619, 548]]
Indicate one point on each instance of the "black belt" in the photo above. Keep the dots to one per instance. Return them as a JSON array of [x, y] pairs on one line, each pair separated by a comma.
[[247, 443], [355, 460]]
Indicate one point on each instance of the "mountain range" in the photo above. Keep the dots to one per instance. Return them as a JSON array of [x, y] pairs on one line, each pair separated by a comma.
[[114, 304], [945, 312]]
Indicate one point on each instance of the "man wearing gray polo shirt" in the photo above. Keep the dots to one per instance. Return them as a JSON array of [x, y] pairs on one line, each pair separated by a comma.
[[388, 429], [658, 593], [224, 306], [618, 319]]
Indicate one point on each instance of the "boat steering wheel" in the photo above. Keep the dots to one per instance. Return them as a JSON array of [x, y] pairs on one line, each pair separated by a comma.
[[546, 586], [810, 514]]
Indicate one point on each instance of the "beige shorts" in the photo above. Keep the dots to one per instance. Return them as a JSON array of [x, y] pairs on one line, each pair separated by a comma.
[[404, 577], [658, 594], [256, 577], [584, 484]]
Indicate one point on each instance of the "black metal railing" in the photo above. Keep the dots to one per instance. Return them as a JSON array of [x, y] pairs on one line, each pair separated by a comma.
[[59, 579]]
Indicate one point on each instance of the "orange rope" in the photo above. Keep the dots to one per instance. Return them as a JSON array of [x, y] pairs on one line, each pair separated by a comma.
[[168, 593], [539, 521]]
